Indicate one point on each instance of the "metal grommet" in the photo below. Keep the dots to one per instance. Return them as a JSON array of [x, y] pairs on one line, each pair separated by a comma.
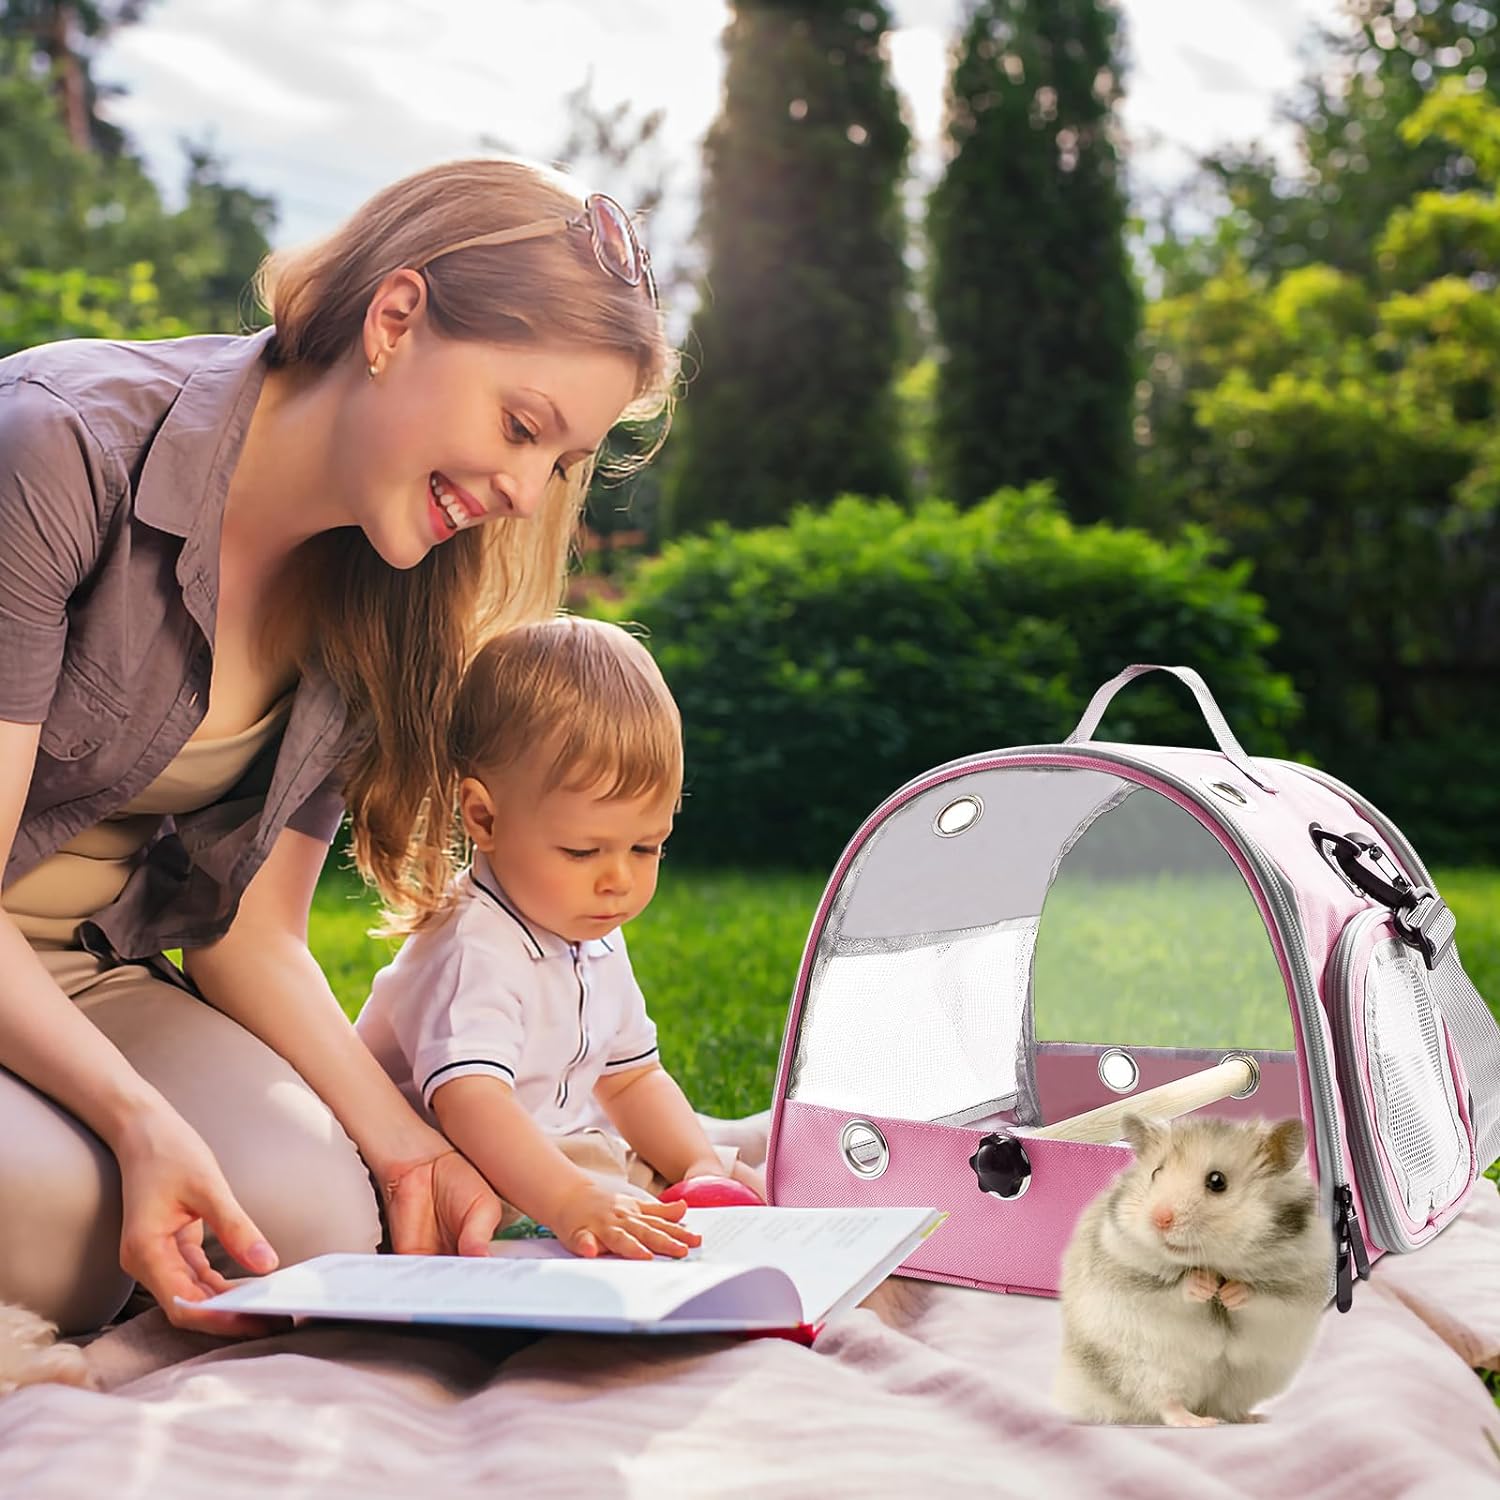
[[1254, 1067], [864, 1149], [958, 816], [1227, 791], [1118, 1070]]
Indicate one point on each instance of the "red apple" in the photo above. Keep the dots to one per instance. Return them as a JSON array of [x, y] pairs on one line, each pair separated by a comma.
[[712, 1192]]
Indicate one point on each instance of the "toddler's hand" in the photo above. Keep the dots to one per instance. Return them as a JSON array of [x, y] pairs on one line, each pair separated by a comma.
[[750, 1177], [594, 1221]]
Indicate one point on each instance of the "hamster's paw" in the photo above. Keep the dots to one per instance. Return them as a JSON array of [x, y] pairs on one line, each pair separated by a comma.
[[1200, 1285], [1177, 1415], [1234, 1294]]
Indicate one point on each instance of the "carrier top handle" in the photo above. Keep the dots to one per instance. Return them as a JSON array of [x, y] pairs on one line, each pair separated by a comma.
[[1223, 735]]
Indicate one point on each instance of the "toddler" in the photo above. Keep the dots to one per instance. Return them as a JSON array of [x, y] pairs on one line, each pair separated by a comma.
[[512, 1016]]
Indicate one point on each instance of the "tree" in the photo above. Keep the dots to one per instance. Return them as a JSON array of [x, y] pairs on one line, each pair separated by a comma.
[[1357, 167], [1339, 430], [86, 247], [797, 339], [1032, 295], [619, 150], [63, 35]]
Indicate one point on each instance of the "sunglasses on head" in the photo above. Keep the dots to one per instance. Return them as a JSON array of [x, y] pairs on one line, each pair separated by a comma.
[[617, 247]]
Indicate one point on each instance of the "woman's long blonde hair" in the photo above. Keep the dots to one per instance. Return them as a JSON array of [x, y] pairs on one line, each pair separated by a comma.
[[396, 643]]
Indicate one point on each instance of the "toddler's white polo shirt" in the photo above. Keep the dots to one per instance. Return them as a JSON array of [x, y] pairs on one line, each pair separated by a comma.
[[486, 991]]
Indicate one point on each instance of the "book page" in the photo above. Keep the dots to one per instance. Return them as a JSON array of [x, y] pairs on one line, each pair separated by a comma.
[[757, 1268], [525, 1290], [828, 1253]]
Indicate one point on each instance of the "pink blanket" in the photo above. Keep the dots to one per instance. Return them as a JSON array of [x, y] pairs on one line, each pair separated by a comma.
[[925, 1390]]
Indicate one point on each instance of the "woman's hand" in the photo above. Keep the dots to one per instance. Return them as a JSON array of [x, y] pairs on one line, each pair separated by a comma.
[[171, 1188], [439, 1203]]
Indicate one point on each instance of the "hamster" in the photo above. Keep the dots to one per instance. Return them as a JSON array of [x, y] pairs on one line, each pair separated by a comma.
[[1193, 1286]]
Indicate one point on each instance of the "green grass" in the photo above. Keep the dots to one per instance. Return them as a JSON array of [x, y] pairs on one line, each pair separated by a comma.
[[716, 954], [1163, 961]]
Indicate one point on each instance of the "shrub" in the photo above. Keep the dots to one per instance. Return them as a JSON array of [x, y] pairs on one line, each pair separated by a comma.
[[821, 663]]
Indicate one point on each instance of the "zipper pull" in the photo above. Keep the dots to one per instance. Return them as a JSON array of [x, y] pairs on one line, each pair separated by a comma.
[[1356, 1239], [1351, 1245]]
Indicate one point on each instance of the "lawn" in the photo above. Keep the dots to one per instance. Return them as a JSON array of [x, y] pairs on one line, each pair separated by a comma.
[[717, 952]]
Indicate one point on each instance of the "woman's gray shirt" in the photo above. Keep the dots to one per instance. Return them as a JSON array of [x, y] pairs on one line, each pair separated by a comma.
[[115, 461]]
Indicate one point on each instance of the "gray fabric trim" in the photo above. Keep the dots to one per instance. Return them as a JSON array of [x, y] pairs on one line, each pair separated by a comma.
[[976, 1111], [860, 947]]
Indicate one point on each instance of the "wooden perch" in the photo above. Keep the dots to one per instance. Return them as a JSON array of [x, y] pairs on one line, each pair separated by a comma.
[[1234, 1075]]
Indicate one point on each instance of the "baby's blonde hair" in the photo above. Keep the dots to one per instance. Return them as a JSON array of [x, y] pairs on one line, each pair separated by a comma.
[[585, 694]]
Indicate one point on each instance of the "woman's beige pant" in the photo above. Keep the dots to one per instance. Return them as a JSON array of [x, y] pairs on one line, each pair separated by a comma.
[[288, 1161]]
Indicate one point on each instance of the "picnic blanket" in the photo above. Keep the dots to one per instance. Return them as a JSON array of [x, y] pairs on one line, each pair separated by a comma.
[[924, 1389]]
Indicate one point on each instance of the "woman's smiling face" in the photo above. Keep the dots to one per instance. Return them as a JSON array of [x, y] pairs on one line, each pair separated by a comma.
[[456, 432]]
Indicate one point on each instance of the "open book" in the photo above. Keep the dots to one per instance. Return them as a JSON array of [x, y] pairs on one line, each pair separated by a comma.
[[757, 1268]]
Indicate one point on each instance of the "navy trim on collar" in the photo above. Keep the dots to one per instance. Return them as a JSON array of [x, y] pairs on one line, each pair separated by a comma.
[[537, 951], [541, 942]]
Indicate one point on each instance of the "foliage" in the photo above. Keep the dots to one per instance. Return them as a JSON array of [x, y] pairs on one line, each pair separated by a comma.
[[59, 38], [86, 246], [36, 306], [1032, 295], [1338, 430], [795, 346], [1359, 162], [820, 664]]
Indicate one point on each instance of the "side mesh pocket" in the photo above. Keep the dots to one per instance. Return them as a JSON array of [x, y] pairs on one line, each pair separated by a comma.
[[1403, 1082]]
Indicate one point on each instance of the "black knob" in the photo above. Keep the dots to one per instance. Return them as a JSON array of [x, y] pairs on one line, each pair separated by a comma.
[[1002, 1166]]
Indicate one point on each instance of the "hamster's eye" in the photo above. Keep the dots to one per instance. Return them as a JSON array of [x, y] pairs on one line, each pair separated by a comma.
[[1215, 1182]]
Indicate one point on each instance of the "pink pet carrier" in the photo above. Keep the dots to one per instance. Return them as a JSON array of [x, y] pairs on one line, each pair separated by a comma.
[[1017, 947]]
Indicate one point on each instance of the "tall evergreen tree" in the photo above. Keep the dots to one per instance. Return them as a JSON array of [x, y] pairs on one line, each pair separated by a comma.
[[1032, 295], [795, 347]]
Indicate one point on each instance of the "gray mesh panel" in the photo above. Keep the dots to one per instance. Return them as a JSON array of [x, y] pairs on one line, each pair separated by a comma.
[[1415, 1110], [917, 1031], [1477, 1040], [911, 881]]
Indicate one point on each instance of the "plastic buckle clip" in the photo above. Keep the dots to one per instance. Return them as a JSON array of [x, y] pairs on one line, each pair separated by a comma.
[[1427, 924], [1422, 917]]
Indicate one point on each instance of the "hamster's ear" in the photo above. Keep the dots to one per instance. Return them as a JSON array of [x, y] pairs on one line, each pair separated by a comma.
[[1283, 1144], [1143, 1135]]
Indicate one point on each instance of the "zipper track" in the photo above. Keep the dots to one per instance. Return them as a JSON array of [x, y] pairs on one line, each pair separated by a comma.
[[1387, 1225]]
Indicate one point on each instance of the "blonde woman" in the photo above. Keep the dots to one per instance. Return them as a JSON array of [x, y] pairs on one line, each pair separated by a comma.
[[240, 581]]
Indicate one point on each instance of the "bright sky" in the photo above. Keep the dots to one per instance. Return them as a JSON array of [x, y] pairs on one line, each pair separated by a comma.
[[321, 116]]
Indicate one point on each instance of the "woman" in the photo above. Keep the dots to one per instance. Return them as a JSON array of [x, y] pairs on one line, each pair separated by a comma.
[[240, 579]]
